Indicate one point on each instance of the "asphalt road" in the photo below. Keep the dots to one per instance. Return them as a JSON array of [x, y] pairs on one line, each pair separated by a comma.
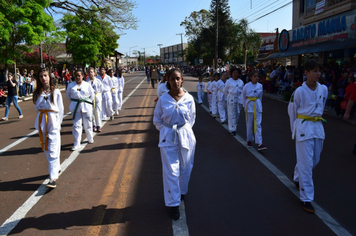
[[114, 186]]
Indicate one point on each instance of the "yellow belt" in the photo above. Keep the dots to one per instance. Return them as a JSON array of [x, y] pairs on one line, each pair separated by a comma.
[[94, 101], [254, 113], [113, 90], [310, 118], [40, 130]]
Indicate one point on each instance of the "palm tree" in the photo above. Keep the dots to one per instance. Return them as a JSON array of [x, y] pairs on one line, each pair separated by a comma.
[[246, 39]]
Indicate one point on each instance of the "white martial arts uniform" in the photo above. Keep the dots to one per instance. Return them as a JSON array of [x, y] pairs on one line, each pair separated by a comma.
[[233, 90], [107, 110], [51, 135], [174, 120], [114, 94], [308, 135], [214, 98], [221, 100], [251, 92], [82, 111], [210, 95], [120, 90], [162, 89], [200, 91], [97, 101]]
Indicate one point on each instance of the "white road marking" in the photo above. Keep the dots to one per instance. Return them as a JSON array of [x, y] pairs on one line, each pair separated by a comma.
[[320, 212], [21, 212]]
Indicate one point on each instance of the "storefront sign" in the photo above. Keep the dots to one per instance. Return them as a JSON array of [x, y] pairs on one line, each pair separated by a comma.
[[334, 29]]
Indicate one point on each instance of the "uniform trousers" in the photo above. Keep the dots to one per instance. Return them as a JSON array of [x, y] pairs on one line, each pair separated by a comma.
[[210, 100], [107, 110], [177, 165], [53, 152], [115, 101], [97, 110], [214, 104], [200, 96], [222, 110], [84, 118], [233, 114], [119, 96], [308, 156], [250, 128]]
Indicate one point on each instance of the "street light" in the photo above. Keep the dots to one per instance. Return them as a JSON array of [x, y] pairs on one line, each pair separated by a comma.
[[130, 53]]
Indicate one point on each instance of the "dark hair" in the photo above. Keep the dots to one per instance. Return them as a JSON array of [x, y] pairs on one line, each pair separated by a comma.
[[311, 64], [252, 73], [78, 71], [39, 86], [168, 74], [233, 69], [119, 72]]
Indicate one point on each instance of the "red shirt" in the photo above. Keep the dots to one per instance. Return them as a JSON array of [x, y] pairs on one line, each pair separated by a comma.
[[67, 77], [350, 92]]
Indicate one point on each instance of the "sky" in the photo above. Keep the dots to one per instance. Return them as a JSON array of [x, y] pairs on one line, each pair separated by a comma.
[[159, 21]]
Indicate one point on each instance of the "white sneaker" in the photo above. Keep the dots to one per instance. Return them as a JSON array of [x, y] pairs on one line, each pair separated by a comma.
[[91, 141], [74, 148]]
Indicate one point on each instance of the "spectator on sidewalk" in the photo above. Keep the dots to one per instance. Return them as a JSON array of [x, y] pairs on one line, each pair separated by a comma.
[[12, 85]]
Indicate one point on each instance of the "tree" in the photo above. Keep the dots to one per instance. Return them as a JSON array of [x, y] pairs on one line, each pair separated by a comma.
[[118, 12], [89, 40], [195, 23], [246, 38], [22, 22], [51, 43]]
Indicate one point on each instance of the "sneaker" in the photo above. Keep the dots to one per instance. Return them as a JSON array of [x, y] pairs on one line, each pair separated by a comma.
[[74, 148], [249, 144], [4, 118], [91, 141], [98, 128], [175, 212], [51, 184], [233, 133], [261, 147], [95, 129], [307, 206], [21, 116]]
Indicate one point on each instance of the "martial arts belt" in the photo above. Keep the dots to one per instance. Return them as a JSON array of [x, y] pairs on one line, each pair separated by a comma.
[[94, 103], [254, 112], [113, 90], [175, 129], [40, 129], [311, 118], [78, 102]]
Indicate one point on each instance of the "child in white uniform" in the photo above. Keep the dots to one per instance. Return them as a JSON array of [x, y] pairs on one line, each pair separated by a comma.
[[120, 87], [214, 97], [305, 110], [200, 90], [252, 102], [174, 117], [221, 97], [114, 92], [97, 101], [81, 95], [162, 87], [233, 89], [49, 107], [210, 95], [106, 93]]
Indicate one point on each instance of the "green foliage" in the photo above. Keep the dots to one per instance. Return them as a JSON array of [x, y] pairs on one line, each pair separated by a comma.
[[89, 38], [196, 22], [22, 22]]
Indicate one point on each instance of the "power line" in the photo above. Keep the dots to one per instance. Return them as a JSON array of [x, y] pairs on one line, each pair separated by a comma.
[[271, 12], [264, 10]]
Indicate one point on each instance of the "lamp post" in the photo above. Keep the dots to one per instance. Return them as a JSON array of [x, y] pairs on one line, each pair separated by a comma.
[[130, 53], [159, 45]]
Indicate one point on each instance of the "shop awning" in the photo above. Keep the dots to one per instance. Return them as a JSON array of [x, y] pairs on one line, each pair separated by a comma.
[[320, 48]]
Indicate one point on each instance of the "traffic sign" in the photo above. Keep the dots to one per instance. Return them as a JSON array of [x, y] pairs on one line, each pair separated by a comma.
[[219, 60]]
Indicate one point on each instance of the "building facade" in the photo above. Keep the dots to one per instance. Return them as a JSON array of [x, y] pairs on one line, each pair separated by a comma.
[[173, 54], [325, 30]]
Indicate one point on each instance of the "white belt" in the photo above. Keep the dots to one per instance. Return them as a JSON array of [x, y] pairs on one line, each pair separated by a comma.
[[175, 128]]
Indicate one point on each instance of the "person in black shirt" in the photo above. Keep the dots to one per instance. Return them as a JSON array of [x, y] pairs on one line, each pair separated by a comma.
[[12, 96]]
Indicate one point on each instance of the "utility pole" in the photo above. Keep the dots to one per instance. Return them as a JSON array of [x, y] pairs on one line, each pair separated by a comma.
[[159, 45], [144, 56], [181, 41], [217, 35]]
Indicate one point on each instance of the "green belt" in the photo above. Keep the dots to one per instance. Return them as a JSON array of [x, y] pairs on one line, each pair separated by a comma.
[[78, 102]]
